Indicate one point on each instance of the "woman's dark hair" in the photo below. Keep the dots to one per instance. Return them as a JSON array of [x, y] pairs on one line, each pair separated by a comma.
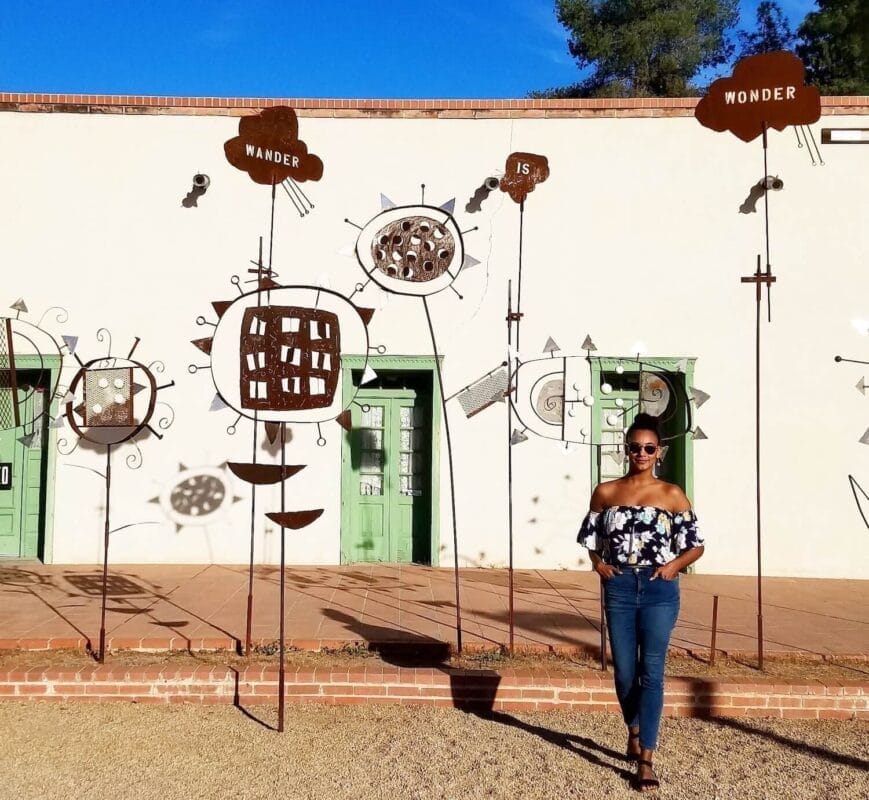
[[644, 422]]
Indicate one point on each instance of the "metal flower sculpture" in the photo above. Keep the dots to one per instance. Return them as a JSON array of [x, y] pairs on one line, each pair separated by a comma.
[[113, 400], [418, 250]]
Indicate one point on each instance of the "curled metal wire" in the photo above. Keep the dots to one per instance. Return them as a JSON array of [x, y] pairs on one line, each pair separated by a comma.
[[62, 316], [64, 448], [102, 335], [134, 460], [156, 366], [165, 421]]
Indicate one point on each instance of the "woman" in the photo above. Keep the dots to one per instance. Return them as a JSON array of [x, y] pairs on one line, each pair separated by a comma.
[[640, 532]]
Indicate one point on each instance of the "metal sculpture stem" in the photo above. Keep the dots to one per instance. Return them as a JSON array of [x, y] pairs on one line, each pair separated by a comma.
[[281, 674], [510, 616], [757, 476], [519, 277], [247, 637], [102, 654], [452, 476], [766, 222], [13, 377]]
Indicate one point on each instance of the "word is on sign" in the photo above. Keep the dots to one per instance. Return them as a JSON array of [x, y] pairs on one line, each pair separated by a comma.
[[522, 172], [5, 477], [767, 90]]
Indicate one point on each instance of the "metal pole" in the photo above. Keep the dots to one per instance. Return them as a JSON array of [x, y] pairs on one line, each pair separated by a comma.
[[102, 654], [247, 636], [757, 477], [510, 616], [281, 675], [714, 630]]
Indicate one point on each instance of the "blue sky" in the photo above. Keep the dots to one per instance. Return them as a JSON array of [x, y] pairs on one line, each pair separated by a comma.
[[288, 48]]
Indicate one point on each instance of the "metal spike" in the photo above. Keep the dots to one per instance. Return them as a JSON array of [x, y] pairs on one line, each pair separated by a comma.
[[368, 376], [71, 343], [861, 385], [19, 305], [449, 206], [137, 387], [518, 437], [588, 344], [217, 404], [385, 202], [469, 261], [551, 346], [700, 397], [57, 422], [698, 433], [682, 365], [617, 456], [27, 439], [864, 439]]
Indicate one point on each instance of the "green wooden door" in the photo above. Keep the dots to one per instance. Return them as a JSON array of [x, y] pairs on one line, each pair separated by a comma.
[[616, 387], [21, 504], [387, 486]]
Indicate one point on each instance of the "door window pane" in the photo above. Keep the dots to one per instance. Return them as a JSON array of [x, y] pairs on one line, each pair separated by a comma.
[[371, 485], [371, 461], [371, 439], [373, 418]]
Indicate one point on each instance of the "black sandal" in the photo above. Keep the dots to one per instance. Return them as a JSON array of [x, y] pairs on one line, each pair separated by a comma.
[[645, 784], [628, 754]]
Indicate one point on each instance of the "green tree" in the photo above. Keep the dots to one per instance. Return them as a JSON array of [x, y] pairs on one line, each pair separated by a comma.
[[835, 46], [644, 48], [773, 31]]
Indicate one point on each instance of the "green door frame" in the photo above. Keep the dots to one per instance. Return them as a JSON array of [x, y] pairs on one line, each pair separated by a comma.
[[42, 547], [600, 364], [348, 486]]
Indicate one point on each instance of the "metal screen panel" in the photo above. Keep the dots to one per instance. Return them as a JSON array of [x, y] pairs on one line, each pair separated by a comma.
[[486, 391]]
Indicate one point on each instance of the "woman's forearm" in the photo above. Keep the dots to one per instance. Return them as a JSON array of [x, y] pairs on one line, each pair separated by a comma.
[[688, 558]]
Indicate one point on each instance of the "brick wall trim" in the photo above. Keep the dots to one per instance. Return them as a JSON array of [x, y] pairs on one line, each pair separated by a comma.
[[380, 108], [507, 690]]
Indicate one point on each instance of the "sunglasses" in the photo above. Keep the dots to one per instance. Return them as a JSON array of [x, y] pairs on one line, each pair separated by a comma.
[[635, 448]]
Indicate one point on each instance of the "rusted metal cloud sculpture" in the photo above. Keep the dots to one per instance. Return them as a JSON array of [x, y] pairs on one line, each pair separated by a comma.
[[765, 91]]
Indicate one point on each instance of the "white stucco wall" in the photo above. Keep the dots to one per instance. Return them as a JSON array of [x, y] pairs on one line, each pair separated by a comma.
[[635, 235]]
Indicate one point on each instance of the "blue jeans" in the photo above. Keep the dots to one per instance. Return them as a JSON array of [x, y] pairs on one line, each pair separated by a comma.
[[640, 617]]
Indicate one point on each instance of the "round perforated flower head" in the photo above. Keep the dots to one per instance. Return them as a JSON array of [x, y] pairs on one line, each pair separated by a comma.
[[413, 250]]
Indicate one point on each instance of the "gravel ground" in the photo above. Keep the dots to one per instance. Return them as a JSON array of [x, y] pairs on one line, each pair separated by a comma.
[[122, 751]]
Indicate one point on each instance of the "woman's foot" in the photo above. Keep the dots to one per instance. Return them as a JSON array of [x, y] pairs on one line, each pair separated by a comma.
[[632, 751], [645, 780]]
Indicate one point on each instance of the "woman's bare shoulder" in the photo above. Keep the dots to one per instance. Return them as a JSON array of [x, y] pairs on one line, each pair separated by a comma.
[[675, 498], [604, 494]]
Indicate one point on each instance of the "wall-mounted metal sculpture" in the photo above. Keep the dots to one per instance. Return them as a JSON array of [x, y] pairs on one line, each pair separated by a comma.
[[27, 346], [765, 91], [418, 250], [113, 400]]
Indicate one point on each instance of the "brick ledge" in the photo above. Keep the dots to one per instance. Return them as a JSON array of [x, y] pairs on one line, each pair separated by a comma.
[[478, 690], [380, 108]]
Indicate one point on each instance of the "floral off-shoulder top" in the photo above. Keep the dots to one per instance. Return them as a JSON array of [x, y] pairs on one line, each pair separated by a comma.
[[642, 536]]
